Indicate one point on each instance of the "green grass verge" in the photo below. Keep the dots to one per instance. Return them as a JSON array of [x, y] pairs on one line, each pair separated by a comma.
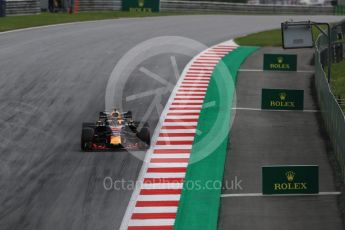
[[266, 38], [20, 22]]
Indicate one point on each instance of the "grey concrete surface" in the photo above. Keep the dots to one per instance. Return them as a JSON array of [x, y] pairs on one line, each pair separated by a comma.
[[51, 80], [280, 213], [261, 138], [250, 96]]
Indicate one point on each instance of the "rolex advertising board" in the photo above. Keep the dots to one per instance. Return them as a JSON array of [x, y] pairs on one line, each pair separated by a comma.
[[280, 62], [282, 99], [140, 5], [290, 179]]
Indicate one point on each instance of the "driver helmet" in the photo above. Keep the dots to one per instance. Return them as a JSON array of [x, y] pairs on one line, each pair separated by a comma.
[[115, 113]]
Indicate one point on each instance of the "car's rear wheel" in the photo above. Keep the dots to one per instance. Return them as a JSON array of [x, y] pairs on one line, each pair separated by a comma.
[[145, 136], [86, 138]]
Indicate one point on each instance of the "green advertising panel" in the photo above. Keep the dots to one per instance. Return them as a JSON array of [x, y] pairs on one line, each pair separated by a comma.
[[282, 99], [280, 62], [140, 5], [290, 179]]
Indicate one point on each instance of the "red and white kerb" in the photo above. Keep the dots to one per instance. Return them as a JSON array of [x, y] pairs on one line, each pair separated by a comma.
[[155, 204]]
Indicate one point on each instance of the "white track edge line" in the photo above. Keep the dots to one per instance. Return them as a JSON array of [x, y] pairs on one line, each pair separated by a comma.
[[261, 70], [279, 195], [273, 110]]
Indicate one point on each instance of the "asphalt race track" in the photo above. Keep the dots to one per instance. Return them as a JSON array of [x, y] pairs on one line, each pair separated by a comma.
[[53, 79]]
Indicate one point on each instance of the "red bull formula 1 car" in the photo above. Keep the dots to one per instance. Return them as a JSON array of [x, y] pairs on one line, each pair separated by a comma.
[[113, 131]]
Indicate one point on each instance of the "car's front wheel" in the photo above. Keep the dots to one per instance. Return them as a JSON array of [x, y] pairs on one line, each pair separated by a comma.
[[86, 138]]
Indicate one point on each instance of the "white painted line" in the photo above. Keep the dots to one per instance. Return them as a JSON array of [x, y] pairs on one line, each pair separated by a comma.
[[272, 110], [208, 55], [163, 209], [206, 58], [204, 72], [209, 61], [182, 117], [159, 197], [220, 53], [198, 79], [199, 73], [191, 92], [204, 65], [184, 156], [168, 165], [216, 51], [190, 97], [175, 138], [261, 195], [173, 147], [178, 131], [162, 186], [201, 67], [195, 78], [203, 87], [260, 70], [182, 110], [180, 123], [198, 76], [222, 49], [184, 106], [150, 222], [195, 85], [191, 85], [188, 101], [165, 175]]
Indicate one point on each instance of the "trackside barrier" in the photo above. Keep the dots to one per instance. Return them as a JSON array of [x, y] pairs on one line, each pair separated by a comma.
[[2, 8], [100, 5], [21, 7], [228, 7], [331, 111], [339, 10]]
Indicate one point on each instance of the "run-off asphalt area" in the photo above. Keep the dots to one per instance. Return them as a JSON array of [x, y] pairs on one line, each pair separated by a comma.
[[53, 79], [275, 138]]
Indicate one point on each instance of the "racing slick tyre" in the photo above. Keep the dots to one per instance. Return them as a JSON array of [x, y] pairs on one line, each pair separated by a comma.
[[88, 124], [144, 135], [86, 138], [129, 115]]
